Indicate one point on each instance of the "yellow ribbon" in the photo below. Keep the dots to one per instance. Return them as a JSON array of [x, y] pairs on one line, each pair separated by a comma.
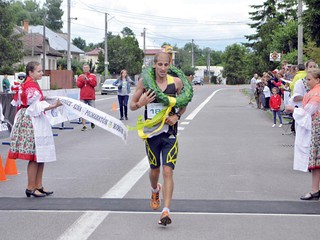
[[159, 117]]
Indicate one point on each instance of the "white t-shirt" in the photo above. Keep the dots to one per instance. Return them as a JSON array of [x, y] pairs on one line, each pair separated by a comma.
[[266, 91], [299, 90]]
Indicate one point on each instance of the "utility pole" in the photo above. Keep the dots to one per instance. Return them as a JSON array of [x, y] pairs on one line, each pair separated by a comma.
[[192, 54], [69, 33], [106, 63], [208, 68], [32, 39], [44, 42], [300, 33], [144, 46]]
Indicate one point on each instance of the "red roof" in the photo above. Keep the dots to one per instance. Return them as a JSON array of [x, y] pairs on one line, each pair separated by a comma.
[[153, 51], [95, 52]]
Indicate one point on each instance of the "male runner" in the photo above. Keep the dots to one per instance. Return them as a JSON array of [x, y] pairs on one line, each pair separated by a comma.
[[161, 146]]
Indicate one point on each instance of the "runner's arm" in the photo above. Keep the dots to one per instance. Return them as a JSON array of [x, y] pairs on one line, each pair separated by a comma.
[[141, 98]]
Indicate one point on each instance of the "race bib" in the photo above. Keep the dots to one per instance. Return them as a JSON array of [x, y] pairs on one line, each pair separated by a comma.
[[153, 109]]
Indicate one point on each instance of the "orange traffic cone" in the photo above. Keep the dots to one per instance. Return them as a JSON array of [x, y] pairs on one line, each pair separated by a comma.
[[2, 172], [11, 167], [114, 106]]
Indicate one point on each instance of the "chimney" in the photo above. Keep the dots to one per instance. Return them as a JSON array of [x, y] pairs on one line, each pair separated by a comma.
[[26, 25]]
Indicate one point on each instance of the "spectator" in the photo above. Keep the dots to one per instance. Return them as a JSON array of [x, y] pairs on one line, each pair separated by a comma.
[[300, 89], [301, 73], [5, 84], [308, 118], [253, 86], [87, 82], [123, 83], [275, 104], [267, 94]]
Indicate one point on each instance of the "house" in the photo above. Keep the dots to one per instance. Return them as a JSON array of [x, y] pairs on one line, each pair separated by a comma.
[[92, 55], [203, 72], [150, 53], [56, 45], [58, 42], [33, 50]]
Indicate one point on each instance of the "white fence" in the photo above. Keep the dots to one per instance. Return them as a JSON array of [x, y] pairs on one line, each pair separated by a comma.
[[44, 83]]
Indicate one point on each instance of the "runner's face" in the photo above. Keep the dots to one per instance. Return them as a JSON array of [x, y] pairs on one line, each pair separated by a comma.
[[162, 66], [37, 73]]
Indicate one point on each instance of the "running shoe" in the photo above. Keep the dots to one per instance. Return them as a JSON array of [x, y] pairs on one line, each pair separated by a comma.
[[84, 128], [93, 126], [165, 219], [155, 201]]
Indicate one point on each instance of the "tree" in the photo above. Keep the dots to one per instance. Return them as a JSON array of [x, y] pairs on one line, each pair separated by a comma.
[[124, 53], [234, 62], [126, 32], [54, 15], [311, 20], [270, 21], [10, 42], [100, 63], [80, 43], [30, 10]]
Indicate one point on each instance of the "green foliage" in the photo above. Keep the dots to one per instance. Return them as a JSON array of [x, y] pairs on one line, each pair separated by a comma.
[[54, 15], [312, 51], [184, 58], [124, 53], [10, 42], [311, 20], [127, 32], [80, 43], [21, 68], [285, 38], [29, 10], [234, 59], [291, 57], [76, 66], [100, 64], [275, 22]]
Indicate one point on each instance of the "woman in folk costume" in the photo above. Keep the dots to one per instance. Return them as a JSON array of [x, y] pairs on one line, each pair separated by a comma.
[[31, 135], [307, 144]]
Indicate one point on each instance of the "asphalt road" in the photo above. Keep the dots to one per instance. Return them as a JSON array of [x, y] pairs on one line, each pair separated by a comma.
[[233, 180]]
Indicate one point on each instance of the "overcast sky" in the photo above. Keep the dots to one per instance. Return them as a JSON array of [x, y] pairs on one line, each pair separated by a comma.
[[211, 23]]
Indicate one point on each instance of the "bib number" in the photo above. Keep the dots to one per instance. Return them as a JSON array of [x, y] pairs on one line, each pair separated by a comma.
[[153, 109]]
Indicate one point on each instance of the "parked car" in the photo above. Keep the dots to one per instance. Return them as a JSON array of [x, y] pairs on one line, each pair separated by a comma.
[[197, 80], [108, 87]]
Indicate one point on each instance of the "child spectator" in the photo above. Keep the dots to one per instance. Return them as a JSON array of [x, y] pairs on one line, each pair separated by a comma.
[[275, 103], [267, 94], [286, 95]]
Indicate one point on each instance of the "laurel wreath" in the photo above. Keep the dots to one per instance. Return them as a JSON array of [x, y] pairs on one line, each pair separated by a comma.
[[182, 99]]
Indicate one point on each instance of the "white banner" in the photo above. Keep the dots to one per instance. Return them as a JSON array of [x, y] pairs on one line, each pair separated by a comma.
[[89, 113]]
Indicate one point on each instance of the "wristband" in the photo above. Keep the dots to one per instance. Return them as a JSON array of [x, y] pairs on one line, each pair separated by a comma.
[[179, 115]]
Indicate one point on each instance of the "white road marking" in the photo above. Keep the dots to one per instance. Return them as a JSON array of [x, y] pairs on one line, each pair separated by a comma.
[[89, 221], [197, 110]]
